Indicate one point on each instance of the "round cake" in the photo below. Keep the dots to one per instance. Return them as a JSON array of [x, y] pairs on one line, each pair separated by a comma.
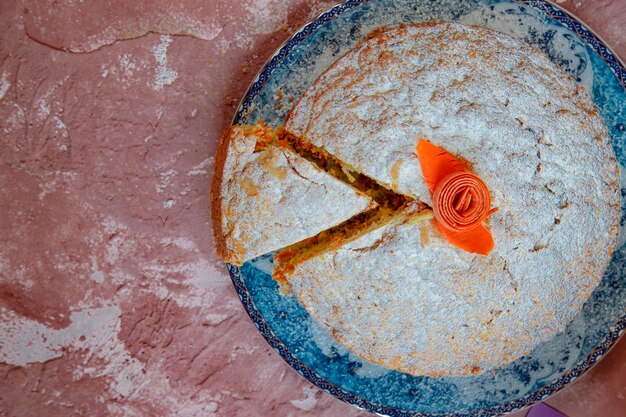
[[401, 296]]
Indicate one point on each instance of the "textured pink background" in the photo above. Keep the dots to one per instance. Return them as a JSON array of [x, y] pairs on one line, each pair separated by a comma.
[[112, 302]]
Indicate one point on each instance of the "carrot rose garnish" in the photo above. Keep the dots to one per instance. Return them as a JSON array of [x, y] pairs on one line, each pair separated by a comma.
[[461, 200]]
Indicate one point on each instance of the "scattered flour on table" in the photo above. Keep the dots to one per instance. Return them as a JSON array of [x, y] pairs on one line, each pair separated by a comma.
[[309, 402], [203, 168], [96, 275], [267, 15], [164, 75], [27, 341], [4, 85]]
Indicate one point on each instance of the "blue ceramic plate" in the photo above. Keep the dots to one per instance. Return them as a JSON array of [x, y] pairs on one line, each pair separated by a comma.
[[308, 348]]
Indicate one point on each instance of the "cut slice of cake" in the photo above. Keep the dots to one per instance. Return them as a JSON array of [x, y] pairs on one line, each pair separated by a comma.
[[267, 197]]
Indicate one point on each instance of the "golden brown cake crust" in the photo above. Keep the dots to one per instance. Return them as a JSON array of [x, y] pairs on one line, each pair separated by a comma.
[[216, 198]]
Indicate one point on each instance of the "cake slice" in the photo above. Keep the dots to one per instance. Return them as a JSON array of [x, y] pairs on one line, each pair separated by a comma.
[[266, 197]]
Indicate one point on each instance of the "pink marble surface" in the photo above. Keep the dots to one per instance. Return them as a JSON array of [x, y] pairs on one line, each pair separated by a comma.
[[112, 302]]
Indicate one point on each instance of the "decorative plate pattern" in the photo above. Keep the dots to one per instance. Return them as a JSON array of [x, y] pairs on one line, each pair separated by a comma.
[[312, 352]]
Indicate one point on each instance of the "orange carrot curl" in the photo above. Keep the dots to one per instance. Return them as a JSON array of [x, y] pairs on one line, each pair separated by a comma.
[[461, 200]]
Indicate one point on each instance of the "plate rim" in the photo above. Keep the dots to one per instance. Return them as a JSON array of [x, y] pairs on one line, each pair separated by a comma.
[[617, 67]]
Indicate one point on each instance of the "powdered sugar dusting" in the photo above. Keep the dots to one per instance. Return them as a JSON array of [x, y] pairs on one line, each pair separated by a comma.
[[330, 347], [532, 136], [527, 24]]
